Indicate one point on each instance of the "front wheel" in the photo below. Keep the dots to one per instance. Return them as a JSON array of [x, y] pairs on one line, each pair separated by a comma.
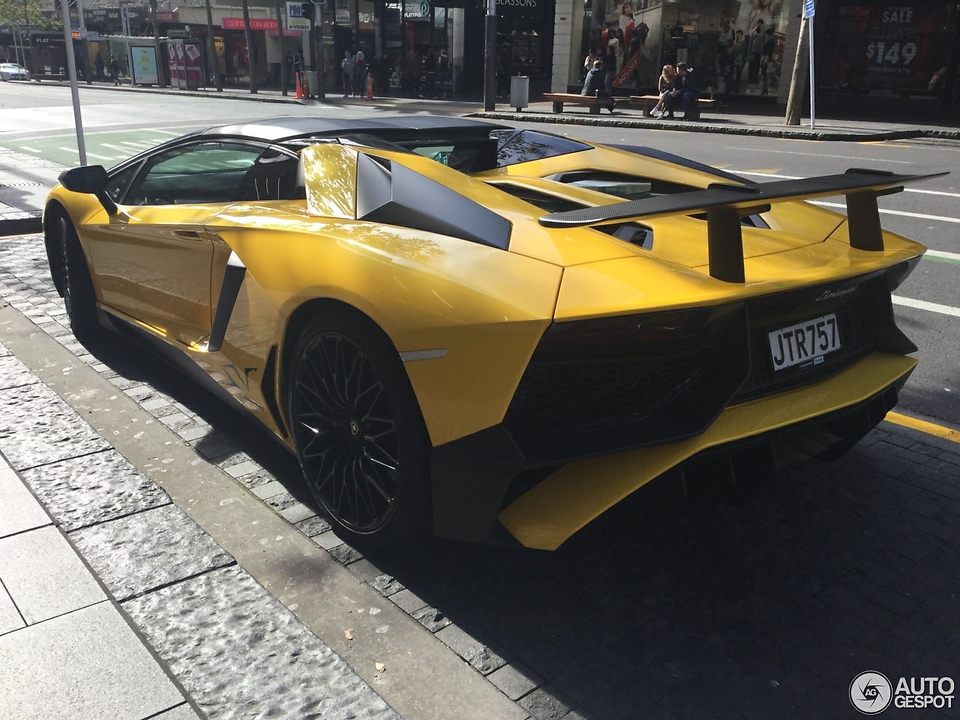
[[359, 433]]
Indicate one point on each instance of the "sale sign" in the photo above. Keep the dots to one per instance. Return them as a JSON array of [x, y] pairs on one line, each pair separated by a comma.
[[887, 45]]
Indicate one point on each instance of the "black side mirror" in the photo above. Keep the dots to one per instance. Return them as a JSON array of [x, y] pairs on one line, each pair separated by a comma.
[[89, 179]]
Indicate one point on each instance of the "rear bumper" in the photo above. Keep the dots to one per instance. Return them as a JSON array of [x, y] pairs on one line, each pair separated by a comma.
[[485, 490]]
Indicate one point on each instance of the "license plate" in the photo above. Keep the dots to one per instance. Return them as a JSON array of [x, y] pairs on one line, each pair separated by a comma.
[[804, 344]]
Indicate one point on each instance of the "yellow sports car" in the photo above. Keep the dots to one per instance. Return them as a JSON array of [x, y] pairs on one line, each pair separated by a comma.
[[487, 333]]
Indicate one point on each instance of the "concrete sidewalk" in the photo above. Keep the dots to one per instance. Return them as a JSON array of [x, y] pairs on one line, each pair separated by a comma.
[[66, 648]]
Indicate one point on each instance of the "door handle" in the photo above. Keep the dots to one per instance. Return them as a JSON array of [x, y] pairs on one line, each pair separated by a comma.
[[188, 234]]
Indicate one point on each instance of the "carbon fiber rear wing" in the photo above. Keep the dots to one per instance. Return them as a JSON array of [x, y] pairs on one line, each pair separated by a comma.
[[725, 204]]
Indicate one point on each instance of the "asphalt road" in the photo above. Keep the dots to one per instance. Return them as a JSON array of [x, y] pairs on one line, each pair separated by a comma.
[[38, 120]]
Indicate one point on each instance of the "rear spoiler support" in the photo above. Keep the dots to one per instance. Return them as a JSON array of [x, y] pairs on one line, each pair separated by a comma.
[[725, 204]]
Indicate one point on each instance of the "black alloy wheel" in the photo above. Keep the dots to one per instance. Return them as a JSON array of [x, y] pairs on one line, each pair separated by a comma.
[[79, 296], [359, 433]]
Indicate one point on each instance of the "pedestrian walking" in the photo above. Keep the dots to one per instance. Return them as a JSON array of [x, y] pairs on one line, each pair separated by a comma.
[[347, 66], [288, 64], [298, 66], [114, 70], [360, 74]]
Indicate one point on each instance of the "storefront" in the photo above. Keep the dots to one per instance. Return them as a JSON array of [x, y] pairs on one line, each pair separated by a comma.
[[525, 31], [736, 46]]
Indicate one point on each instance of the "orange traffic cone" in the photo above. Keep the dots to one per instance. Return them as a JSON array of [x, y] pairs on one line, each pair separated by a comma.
[[299, 89], [369, 87]]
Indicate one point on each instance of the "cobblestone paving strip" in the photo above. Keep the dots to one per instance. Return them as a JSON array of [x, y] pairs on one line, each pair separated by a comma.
[[144, 551], [49, 432], [765, 610], [93, 489], [267, 656], [14, 373]]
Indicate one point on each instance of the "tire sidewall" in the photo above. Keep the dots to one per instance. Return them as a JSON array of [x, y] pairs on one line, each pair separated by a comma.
[[78, 293], [410, 515]]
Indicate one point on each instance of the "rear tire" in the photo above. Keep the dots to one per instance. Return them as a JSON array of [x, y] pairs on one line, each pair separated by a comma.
[[79, 297], [360, 436]]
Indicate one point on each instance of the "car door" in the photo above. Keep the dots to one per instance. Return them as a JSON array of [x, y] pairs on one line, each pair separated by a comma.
[[153, 259]]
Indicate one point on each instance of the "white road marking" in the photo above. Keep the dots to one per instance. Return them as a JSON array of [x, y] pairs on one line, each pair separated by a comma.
[[99, 157], [924, 305], [795, 177], [845, 157], [118, 148], [901, 213], [68, 149], [30, 149]]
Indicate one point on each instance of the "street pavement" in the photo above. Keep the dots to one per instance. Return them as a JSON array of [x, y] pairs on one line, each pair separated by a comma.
[[156, 560]]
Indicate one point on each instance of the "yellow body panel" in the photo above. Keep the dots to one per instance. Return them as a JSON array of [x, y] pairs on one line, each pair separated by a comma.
[[551, 512], [487, 308], [618, 287]]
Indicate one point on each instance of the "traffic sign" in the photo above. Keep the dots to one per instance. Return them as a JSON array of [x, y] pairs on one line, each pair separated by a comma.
[[808, 9]]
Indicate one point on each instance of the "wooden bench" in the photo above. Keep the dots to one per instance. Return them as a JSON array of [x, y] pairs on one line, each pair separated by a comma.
[[646, 103], [592, 101]]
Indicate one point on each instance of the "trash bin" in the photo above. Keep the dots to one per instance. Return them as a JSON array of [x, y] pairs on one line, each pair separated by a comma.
[[520, 91], [312, 89]]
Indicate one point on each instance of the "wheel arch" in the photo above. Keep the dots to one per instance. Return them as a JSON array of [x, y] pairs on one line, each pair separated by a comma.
[[298, 322]]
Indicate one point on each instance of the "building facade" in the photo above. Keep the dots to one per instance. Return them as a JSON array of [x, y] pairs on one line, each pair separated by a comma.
[[867, 51]]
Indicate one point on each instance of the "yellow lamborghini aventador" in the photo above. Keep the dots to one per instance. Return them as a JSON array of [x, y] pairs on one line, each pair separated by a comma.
[[490, 333]]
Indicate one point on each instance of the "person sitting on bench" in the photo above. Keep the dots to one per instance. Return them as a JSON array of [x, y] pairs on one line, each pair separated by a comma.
[[665, 86], [688, 88], [594, 84]]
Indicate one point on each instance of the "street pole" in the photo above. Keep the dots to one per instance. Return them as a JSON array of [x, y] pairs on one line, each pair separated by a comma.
[[283, 58], [161, 75], [489, 58], [72, 69], [83, 44], [797, 79], [212, 50], [318, 23], [248, 35], [26, 20], [813, 79]]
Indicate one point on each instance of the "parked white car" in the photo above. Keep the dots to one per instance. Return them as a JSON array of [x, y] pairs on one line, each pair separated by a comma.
[[12, 71]]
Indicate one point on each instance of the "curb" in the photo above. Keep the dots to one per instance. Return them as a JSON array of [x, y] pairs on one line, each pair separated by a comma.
[[21, 223], [185, 93], [700, 127]]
